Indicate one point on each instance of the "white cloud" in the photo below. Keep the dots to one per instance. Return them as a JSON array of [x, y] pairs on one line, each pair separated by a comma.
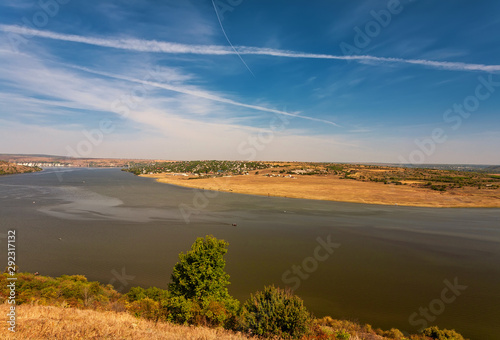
[[175, 120], [192, 91], [154, 46]]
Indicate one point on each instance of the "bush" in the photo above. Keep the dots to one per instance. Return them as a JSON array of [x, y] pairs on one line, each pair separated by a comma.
[[340, 325], [442, 334], [145, 308], [135, 294], [214, 313], [157, 294], [72, 290], [342, 335], [393, 333], [275, 312], [178, 309]]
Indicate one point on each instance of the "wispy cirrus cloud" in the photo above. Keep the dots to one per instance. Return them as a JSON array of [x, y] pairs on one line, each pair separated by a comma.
[[154, 46], [201, 94]]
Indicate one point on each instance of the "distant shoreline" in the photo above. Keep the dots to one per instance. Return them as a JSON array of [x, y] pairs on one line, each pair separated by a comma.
[[7, 168], [327, 188]]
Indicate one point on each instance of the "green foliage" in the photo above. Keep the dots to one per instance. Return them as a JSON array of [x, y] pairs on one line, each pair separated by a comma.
[[335, 167], [342, 335], [393, 333], [74, 290], [275, 312], [146, 308], [154, 293], [212, 312], [438, 187], [442, 334], [178, 309], [199, 167], [157, 294], [200, 274], [135, 294], [198, 287]]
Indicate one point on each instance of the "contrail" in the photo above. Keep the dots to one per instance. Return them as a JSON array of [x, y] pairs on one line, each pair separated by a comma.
[[224, 31], [200, 94], [154, 46]]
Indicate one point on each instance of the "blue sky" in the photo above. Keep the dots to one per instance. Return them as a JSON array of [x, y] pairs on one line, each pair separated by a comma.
[[344, 81]]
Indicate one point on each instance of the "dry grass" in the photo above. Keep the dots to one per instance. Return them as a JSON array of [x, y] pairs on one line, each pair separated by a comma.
[[48, 322], [331, 188]]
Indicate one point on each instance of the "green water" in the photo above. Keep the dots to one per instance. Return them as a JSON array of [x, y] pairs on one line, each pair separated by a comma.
[[389, 260]]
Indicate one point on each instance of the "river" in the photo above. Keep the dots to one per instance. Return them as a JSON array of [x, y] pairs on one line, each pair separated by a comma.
[[390, 266]]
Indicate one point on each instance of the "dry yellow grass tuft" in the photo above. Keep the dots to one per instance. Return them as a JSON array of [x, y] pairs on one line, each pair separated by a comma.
[[48, 322]]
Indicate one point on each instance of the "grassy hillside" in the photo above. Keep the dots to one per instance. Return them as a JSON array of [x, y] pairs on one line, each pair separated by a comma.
[[7, 168], [71, 307], [50, 322]]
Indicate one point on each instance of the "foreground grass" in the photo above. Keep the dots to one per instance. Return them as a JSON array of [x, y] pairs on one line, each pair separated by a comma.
[[50, 322]]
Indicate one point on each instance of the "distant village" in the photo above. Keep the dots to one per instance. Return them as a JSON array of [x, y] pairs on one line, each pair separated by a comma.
[[44, 164]]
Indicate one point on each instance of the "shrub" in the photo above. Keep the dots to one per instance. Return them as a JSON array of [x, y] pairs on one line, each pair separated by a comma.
[[275, 312], [214, 313], [72, 290], [178, 309], [145, 308], [157, 294], [442, 334], [393, 333], [342, 335], [154, 293], [208, 312], [135, 294], [340, 325]]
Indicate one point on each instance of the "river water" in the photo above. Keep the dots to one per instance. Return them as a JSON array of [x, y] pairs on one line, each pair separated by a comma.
[[389, 266]]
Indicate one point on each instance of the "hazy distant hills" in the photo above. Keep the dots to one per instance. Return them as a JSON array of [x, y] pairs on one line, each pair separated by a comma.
[[493, 168], [61, 161], [55, 160]]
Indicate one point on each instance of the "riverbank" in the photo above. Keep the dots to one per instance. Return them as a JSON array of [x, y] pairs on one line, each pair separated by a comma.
[[332, 188], [7, 168]]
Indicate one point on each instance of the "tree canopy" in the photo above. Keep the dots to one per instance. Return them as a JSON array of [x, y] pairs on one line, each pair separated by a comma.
[[200, 273]]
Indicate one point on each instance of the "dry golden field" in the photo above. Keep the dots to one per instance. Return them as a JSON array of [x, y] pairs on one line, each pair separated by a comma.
[[332, 188]]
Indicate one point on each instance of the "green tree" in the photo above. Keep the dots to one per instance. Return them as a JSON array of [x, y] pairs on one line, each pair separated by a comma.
[[200, 272], [200, 281]]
